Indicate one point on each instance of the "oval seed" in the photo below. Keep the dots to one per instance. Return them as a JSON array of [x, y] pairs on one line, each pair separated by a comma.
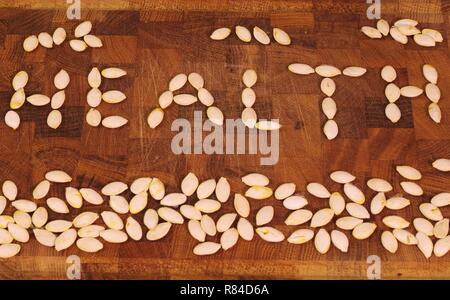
[[330, 129], [411, 188], [206, 188], [225, 222], [398, 36], [261, 36], [383, 27], [411, 91], [259, 192], [185, 99], [93, 117], [140, 185], [441, 228], [173, 199], [112, 220], [59, 36], [322, 241], [44, 237], [78, 45], [196, 80], [114, 236], [371, 32], [241, 205], [205, 97], [220, 34], [113, 96], [223, 190], [57, 100], [89, 244], [329, 108], [24, 205], [441, 247], [298, 217], [337, 203], [155, 117], [264, 215], [94, 78], [249, 78], [435, 112], [9, 189], [207, 206], [363, 231], [404, 237], [295, 202], [424, 244], [206, 248], [133, 229], [270, 234], [409, 172], [389, 241], [281, 37], [54, 119], [189, 184], [357, 210], [249, 117], [423, 225], [58, 176], [160, 231], [18, 233], [354, 193], [245, 229], [45, 40], [442, 164], [395, 222], [430, 73], [397, 203], [208, 225], [301, 236], [392, 112], [327, 71], [61, 80], [114, 122], [39, 217], [301, 69], [65, 239], [441, 199], [9, 250], [248, 97], [392, 92], [93, 41], [57, 205], [138, 203], [340, 240], [342, 177], [388, 73], [424, 40], [433, 92], [177, 82], [196, 231], [170, 215], [328, 86], [354, 71], [83, 29], [30, 43], [85, 219], [436, 35], [378, 203], [379, 185], [38, 100], [215, 115], [151, 218], [284, 191], [243, 34], [157, 189], [94, 97], [114, 188], [255, 179], [229, 238], [22, 218], [91, 231], [318, 190], [91, 196], [322, 217]]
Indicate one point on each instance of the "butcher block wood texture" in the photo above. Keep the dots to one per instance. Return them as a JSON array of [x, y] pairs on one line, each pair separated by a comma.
[[153, 41]]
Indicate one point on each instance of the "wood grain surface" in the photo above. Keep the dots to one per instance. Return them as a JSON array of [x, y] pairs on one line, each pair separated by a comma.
[[154, 40]]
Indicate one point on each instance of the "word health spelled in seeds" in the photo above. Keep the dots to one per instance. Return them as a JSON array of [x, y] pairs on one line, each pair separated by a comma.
[[197, 199]]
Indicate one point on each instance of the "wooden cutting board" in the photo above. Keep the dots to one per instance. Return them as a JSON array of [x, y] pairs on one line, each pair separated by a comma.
[[153, 41]]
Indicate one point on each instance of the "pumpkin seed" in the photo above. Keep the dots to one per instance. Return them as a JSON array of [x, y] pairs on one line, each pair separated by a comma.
[[65, 239], [378, 203], [114, 122], [113, 73], [392, 112], [248, 97], [24, 205], [83, 29], [196, 231], [18, 233], [442, 164], [423, 225], [409, 22], [177, 82], [94, 78], [57, 205], [73, 197], [165, 99], [339, 240], [363, 231], [404, 237], [94, 97], [9, 189], [220, 34], [245, 229], [54, 119], [328, 87], [371, 32], [151, 218], [318, 190], [5, 220], [189, 184], [302, 69], [388, 73], [61, 80], [270, 234], [259, 192], [249, 78], [93, 41], [301, 236], [342, 177], [38, 100], [89, 244], [281, 37], [354, 193], [357, 210], [58, 176], [112, 220], [408, 30], [114, 236], [354, 71], [249, 117], [383, 27], [20, 80], [229, 238], [329, 108], [441, 199], [327, 71], [22, 218], [255, 179], [140, 185], [379, 185], [436, 35], [241, 205], [57, 100], [18, 99], [170, 215], [409, 172], [133, 229], [441, 228], [322, 217], [435, 112], [206, 188], [39, 217], [208, 225], [337, 203], [243, 34], [261, 36], [85, 219], [298, 217], [91, 231], [30, 43], [424, 40], [91, 196], [322, 241], [185, 99], [424, 244], [9, 250], [430, 73], [267, 125], [433, 92], [78, 45], [215, 115], [411, 188], [284, 191], [206, 248], [225, 222], [157, 189], [3, 204], [223, 190], [395, 222], [392, 92], [113, 96], [207, 206], [397, 203], [114, 188], [138, 203], [45, 40], [295, 202], [44, 237], [398, 36], [205, 97], [196, 80], [411, 91], [5, 237], [389, 241], [160, 231], [59, 36], [441, 247], [264, 215], [330, 129]]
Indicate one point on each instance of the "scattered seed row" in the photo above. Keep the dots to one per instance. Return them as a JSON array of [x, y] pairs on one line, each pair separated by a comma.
[[279, 35], [393, 93], [401, 30], [328, 87], [59, 36], [19, 82], [95, 97], [173, 209]]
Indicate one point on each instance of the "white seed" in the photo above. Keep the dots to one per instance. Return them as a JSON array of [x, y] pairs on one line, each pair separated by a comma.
[[83, 28], [65, 239], [424, 244], [298, 217], [249, 117], [392, 112], [160, 231], [151, 218], [30, 43], [57, 205], [205, 97], [61, 80], [441, 247], [295, 202], [248, 97], [229, 238], [9, 189], [255, 179], [397, 203], [78, 45], [9, 250], [196, 231], [93, 117], [225, 222], [423, 225], [114, 188], [357, 210], [59, 36], [24, 205], [433, 92], [328, 86], [114, 122], [441, 228], [91, 196], [170, 215], [89, 244], [409, 22], [249, 78], [339, 240], [18, 233], [363, 231], [190, 212], [398, 36], [243, 34], [185, 99], [54, 119], [441, 199], [45, 40], [94, 97], [189, 184], [177, 82], [330, 129], [337, 203], [392, 92], [173, 199], [245, 229], [327, 71], [22, 218], [112, 220], [424, 40], [208, 225], [411, 91], [318, 190], [5, 220], [93, 41], [39, 217], [114, 236], [241, 205], [405, 237], [383, 27], [302, 69], [322, 241], [268, 125], [354, 193], [379, 185], [38, 100], [94, 78], [389, 241], [442, 164], [342, 177], [223, 190], [133, 229], [259, 192], [261, 36], [44, 237], [270, 234], [113, 73], [408, 30], [284, 191], [138, 203], [301, 236], [113, 96], [207, 206], [322, 217], [58, 176], [157, 189], [220, 34], [371, 32], [281, 37], [20, 80], [378, 203], [206, 188], [140, 185], [388, 73], [354, 71], [215, 115], [58, 99], [264, 215], [435, 112], [411, 188], [329, 108], [430, 73], [85, 219], [196, 80], [409, 172], [436, 35], [18, 99], [207, 248], [395, 222]]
